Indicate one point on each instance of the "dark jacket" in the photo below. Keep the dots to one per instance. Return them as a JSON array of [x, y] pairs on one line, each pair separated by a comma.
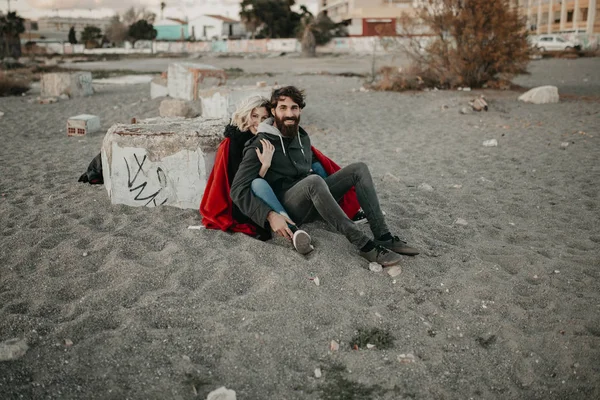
[[291, 163]]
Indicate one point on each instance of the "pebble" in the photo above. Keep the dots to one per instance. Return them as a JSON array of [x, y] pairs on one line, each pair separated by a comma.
[[334, 346], [221, 393], [426, 187], [465, 110], [85, 254], [375, 267], [390, 177], [406, 358], [13, 349], [460, 221], [490, 143], [318, 373], [393, 271], [1, 114], [564, 144], [370, 346], [316, 280], [556, 271], [68, 342]]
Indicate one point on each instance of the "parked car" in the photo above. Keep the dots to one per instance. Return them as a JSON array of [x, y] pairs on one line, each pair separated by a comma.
[[554, 43]]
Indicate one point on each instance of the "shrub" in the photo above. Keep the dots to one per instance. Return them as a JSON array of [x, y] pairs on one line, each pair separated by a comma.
[[470, 43], [11, 86]]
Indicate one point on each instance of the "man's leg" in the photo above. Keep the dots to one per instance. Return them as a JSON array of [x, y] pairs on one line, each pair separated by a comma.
[[312, 194], [359, 176]]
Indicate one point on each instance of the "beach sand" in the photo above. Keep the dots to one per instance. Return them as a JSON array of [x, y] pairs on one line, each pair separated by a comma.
[[116, 302]]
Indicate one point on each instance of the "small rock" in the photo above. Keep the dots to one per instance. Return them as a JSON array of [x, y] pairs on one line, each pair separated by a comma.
[[64, 96], [490, 143], [375, 267], [318, 373], [85, 254], [221, 393], [460, 221], [363, 89], [261, 84], [465, 110], [556, 271], [370, 346], [456, 186], [466, 89], [393, 271], [186, 358], [426, 187], [390, 177], [564, 144], [1, 114], [406, 358], [541, 95], [316, 280], [334, 346], [68, 342], [13, 349]]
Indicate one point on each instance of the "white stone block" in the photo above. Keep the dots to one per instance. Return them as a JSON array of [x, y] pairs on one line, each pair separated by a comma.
[[160, 162], [82, 125], [73, 84], [222, 101], [541, 95], [185, 79], [158, 88]]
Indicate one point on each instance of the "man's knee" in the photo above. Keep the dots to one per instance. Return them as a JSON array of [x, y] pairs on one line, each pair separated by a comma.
[[358, 167], [315, 183]]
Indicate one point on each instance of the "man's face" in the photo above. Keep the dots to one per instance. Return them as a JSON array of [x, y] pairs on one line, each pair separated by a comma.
[[287, 116]]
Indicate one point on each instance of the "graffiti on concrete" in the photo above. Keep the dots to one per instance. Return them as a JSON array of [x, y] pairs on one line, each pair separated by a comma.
[[142, 193]]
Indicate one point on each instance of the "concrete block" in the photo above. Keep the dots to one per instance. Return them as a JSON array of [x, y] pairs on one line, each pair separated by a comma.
[[221, 102], [158, 88], [185, 79], [73, 84], [82, 124], [163, 161], [179, 108]]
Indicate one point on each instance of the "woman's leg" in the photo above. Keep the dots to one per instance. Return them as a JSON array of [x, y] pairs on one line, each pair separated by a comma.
[[263, 190], [318, 169]]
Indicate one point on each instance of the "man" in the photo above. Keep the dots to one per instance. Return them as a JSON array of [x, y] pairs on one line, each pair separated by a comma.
[[305, 195]]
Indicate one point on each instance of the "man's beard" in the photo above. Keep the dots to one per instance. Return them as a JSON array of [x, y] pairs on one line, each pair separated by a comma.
[[287, 130]]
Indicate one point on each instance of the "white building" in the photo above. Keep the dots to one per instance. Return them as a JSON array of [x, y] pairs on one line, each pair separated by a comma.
[[209, 27]]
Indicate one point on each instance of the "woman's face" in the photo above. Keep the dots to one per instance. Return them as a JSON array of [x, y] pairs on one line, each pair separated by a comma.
[[258, 115]]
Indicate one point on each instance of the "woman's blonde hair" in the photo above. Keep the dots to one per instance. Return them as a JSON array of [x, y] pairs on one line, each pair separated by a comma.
[[241, 116]]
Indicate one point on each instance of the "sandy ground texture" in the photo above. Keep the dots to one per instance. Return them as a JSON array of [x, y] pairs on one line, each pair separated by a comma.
[[115, 302]]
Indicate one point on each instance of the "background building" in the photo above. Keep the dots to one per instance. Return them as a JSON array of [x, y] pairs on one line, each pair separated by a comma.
[[57, 28], [208, 27], [172, 29], [560, 16], [368, 17]]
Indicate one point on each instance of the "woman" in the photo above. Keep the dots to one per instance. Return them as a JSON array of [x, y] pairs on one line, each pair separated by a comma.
[[217, 209]]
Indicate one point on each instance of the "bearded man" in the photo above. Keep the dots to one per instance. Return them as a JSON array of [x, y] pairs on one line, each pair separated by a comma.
[[306, 195]]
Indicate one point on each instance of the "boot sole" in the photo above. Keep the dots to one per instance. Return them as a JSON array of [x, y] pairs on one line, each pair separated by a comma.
[[301, 241]]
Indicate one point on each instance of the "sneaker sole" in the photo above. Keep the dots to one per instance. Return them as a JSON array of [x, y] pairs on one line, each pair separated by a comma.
[[301, 241], [361, 221]]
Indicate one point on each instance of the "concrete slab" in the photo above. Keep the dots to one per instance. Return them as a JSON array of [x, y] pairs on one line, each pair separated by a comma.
[[185, 79], [163, 161], [73, 84]]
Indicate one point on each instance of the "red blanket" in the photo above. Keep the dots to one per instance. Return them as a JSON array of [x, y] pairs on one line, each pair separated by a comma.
[[216, 204]]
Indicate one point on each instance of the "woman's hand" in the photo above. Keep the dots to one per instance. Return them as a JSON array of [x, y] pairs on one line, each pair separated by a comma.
[[266, 155]]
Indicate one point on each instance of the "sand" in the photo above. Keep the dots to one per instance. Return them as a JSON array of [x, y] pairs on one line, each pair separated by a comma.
[[116, 302]]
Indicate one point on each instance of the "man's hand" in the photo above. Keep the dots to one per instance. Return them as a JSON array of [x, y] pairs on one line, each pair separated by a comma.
[[279, 224]]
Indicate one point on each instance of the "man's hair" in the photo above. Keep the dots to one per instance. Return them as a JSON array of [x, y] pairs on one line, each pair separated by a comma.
[[241, 116], [288, 91]]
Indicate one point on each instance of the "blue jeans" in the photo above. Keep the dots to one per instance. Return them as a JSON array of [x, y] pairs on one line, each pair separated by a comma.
[[318, 169], [263, 190]]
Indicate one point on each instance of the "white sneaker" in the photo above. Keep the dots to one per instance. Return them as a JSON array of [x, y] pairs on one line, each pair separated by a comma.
[[301, 241]]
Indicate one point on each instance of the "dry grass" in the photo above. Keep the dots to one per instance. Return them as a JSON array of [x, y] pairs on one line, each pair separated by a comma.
[[11, 85]]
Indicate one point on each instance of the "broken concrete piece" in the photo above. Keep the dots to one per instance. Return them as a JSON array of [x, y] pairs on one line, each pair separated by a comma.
[[393, 271], [73, 84], [186, 79], [165, 162], [541, 95], [83, 124], [479, 104], [221, 102], [490, 143], [158, 88]]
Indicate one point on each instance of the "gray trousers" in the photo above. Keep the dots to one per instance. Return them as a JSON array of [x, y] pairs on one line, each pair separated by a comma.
[[314, 196]]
